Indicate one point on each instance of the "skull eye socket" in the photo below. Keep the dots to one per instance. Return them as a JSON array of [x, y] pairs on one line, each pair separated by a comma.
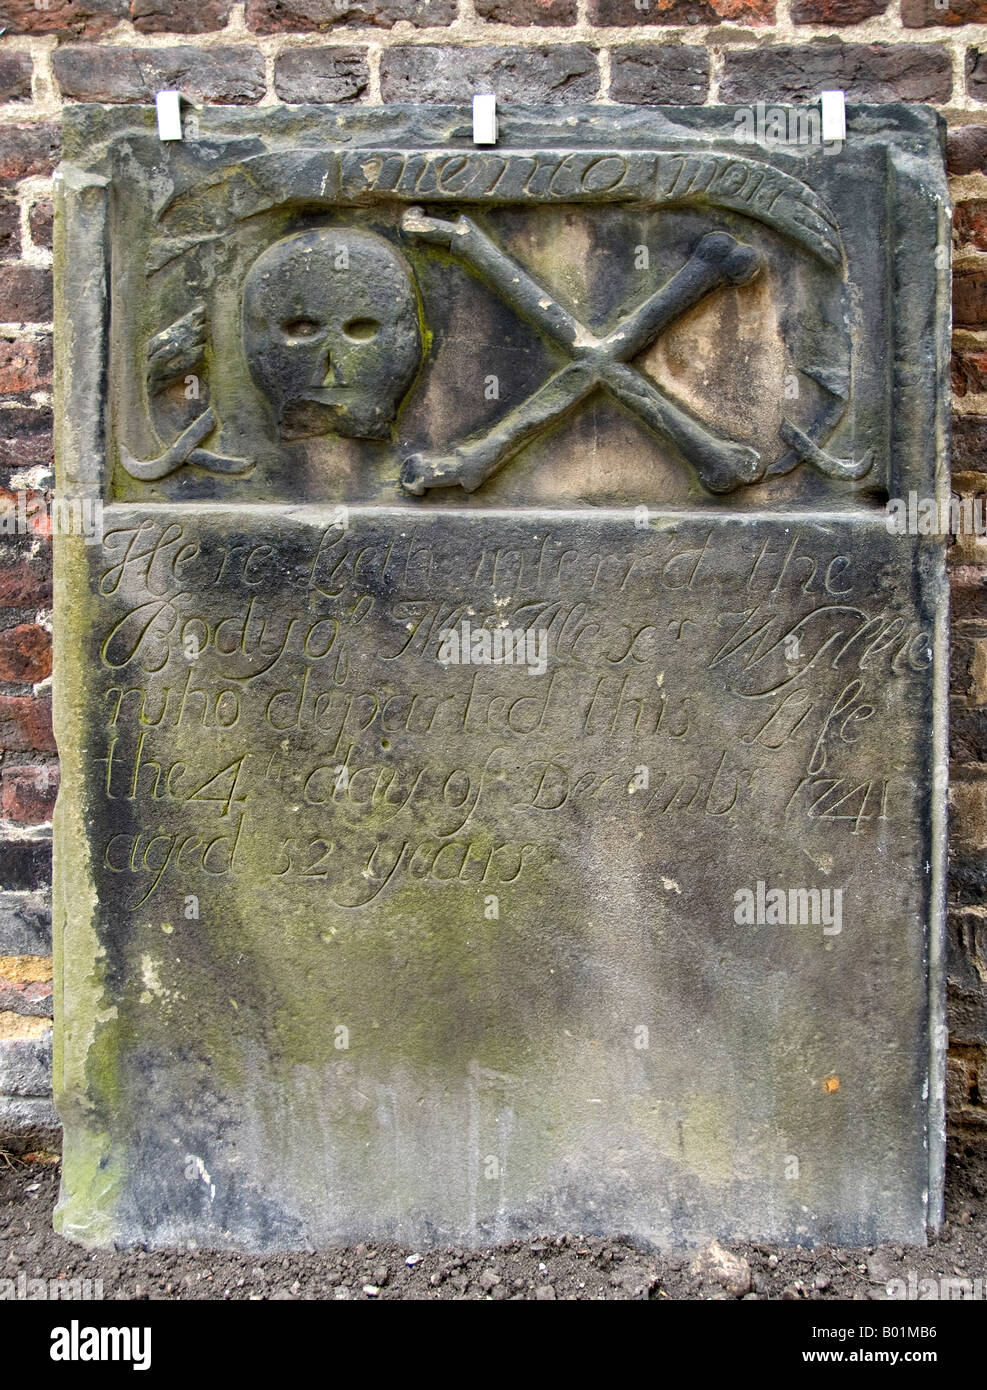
[[300, 328], [361, 330]]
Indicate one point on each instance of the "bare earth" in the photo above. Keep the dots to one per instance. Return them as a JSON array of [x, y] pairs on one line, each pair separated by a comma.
[[567, 1267]]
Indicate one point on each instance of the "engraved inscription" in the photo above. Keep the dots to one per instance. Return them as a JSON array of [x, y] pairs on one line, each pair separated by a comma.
[[325, 700]]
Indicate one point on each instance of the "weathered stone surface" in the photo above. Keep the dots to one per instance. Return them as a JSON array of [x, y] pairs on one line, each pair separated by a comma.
[[321, 74], [369, 928], [866, 72], [557, 73], [669, 74], [233, 73]]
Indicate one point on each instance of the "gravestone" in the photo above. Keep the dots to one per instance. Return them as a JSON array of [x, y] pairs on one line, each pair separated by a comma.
[[502, 735]]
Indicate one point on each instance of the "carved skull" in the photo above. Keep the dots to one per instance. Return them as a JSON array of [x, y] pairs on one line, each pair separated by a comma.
[[331, 332]]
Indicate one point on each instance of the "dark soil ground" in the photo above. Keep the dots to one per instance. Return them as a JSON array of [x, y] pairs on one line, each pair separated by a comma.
[[566, 1267]]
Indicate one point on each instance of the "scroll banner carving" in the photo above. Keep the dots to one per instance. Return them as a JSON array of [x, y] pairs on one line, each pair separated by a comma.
[[574, 176]]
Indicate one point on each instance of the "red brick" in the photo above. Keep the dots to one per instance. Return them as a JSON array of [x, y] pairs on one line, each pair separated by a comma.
[[836, 11], [25, 724], [27, 794], [624, 12], [25, 577], [25, 365], [970, 223], [968, 370], [968, 599], [660, 73], [306, 16], [15, 76], [865, 71], [31, 997], [970, 297], [555, 73], [40, 220], [961, 658], [527, 11], [33, 452], [321, 74], [976, 73], [28, 149], [66, 18], [24, 512], [231, 74], [970, 443], [966, 149], [10, 228], [25, 294], [25, 653], [25, 436], [178, 16], [922, 14]]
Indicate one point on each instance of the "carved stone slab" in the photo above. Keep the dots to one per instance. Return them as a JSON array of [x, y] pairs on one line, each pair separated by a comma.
[[502, 740]]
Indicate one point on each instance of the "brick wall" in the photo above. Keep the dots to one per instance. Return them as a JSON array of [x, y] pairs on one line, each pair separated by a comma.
[[372, 51]]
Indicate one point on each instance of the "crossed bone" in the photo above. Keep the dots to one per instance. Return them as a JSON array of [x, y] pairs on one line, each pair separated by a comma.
[[184, 450], [718, 260]]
